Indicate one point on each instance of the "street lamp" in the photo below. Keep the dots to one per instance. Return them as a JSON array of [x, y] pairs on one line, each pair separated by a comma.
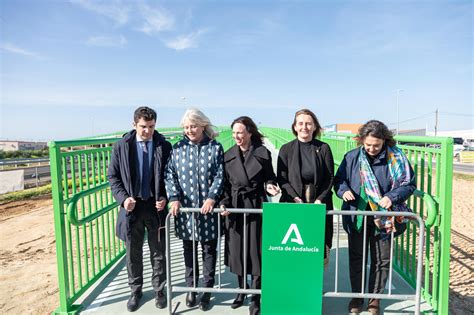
[[398, 110]]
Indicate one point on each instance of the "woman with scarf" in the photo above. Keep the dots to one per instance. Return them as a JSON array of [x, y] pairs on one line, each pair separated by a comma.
[[194, 178], [375, 176], [249, 177], [305, 169]]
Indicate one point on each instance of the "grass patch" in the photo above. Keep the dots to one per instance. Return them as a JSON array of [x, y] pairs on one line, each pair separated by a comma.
[[26, 194], [463, 176]]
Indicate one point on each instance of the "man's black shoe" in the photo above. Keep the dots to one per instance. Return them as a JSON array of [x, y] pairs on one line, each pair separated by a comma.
[[191, 299], [160, 299], [204, 304], [134, 301]]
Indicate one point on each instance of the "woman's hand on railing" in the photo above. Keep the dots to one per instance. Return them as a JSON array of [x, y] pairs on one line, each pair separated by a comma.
[[208, 206], [224, 211], [174, 207], [385, 202]]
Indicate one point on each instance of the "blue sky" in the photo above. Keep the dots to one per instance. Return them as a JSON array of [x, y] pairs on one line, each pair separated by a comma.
[[77, 68]]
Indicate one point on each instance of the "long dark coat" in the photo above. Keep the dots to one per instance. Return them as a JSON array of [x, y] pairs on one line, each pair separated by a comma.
[[124, 177], [291, 183], [244, 187]]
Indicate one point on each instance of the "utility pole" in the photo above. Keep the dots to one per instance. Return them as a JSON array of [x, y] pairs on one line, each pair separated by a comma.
[[436, 122]]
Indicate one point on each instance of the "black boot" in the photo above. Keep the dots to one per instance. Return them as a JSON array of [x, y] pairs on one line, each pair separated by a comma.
[[134, 301], [254, 307], [239, 300], [205, 299], [191, 299]]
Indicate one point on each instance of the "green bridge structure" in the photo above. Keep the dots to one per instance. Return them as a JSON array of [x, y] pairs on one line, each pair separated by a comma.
[[90, 257]]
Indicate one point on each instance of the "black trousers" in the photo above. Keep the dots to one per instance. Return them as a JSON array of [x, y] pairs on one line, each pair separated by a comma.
[[379, 259], [256, 284], [144, 217], [209, 258]]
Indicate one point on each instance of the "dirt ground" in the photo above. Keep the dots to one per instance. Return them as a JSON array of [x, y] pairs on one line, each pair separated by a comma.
[[28, 260]]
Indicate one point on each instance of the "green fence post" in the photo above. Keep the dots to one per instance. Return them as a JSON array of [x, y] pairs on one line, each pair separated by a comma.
[[446, 191], [59, 226]]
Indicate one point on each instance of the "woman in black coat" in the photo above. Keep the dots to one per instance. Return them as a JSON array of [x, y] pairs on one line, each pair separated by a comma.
[[305, 169], [249, 177]]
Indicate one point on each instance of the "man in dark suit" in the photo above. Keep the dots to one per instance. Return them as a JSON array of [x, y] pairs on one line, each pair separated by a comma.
[[136, 174]]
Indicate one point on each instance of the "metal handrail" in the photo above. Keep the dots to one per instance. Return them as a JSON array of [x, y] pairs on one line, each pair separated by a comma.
[[72, 206], [432, 210], [419, 268], [416, 297], [171, 288]]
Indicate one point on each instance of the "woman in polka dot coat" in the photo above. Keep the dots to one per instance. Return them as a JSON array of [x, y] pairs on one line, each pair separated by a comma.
[[195, 178]]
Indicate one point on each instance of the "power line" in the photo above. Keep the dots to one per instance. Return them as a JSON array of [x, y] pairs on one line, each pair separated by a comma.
[[414, 118], [456, 114]]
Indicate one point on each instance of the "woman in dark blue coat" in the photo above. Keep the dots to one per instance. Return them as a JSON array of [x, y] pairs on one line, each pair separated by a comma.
[[375, 176]]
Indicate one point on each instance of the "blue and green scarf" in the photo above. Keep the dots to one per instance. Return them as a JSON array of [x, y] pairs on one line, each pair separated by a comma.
[[399, 169]]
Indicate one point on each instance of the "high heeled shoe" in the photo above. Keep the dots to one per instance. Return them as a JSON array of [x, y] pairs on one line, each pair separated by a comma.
[[239, 300]]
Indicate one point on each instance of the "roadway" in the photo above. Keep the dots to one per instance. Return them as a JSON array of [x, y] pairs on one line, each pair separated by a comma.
[[465, 168], [44, 172]]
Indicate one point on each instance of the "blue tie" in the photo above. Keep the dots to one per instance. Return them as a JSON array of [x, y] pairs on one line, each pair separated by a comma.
[[145, 188]]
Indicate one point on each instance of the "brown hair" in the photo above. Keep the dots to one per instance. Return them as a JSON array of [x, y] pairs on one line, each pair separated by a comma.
[[256, 136], [377, 129], [144, 112], [305, 111]]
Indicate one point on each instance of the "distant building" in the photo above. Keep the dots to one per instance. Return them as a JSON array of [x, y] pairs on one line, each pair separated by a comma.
[[7, 145], [342, 128], [412, 132]]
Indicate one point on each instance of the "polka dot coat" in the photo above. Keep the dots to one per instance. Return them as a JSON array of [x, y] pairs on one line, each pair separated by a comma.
[[194, 173]]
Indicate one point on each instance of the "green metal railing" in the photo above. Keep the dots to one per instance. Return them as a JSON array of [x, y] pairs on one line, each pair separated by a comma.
[[432, 161], [84, 216], [85, 212]]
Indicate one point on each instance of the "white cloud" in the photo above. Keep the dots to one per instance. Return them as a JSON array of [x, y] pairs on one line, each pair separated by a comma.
[[185, 41], [155, 20], [152, 20], [107, 41], [114, 10], [19, 51]]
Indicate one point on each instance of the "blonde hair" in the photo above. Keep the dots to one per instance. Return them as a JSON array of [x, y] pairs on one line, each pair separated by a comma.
[[195, 116]]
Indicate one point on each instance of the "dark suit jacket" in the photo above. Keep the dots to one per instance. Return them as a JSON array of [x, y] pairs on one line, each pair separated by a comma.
[[124, 178], [289, 172]]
